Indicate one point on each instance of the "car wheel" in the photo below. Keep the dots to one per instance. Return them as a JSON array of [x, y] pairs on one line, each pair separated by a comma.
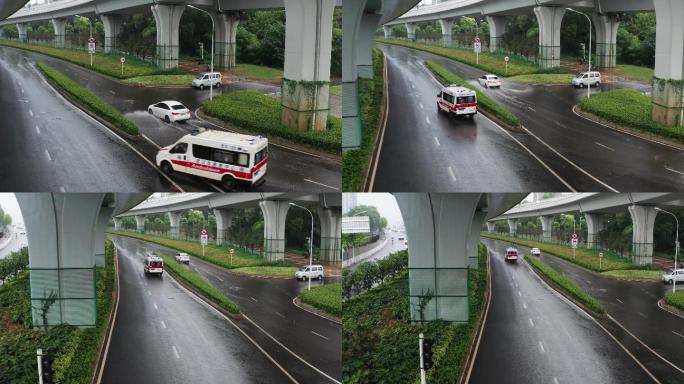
[[670, 282], [228, 182], [201, 87], [166, 118], [149, 110], [320, 277], [218, 85], [166, 168], [598, 83]]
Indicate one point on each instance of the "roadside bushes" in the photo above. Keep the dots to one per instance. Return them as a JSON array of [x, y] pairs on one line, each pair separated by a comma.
[[13, 264], [675, 299], [447, 77], [326, 297], [370, 273], [88, 99]]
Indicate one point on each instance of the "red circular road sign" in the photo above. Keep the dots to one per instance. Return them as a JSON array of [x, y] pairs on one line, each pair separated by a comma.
[[231, 251], [91, 39], [477, 39], [204, 232], [123, 60], [507, 59], [600, 254], [574, 235]]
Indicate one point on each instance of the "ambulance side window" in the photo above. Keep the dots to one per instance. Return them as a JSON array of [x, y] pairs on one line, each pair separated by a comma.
[[179, 148], [439, 95], [448, 98]]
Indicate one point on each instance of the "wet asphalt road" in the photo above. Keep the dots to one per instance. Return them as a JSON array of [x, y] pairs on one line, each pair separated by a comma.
[[17, 242], [288, 170], [633, 305], [533, 336], [268, 302], [163, 335], [603, 158]]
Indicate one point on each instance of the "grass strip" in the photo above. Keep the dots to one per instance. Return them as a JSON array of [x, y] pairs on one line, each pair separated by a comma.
[[259, 73], [631, 109], [268, 271], [371, 92], [634, 72], [544, 79], [566, 285], [485, 102], [635, 274], [259, 113], [161, 80], [675, 299], [327, 298], [199, 283], [88, 99]]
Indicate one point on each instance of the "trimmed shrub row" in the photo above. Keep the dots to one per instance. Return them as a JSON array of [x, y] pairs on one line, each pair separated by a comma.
[[675, 299], [93, 103], [447, 77], [327, 298], [370, 273], [565, 284]]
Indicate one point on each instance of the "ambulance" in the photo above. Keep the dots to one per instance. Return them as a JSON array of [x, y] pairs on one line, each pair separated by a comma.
[[457, 100], [154, 265], [231, 158]]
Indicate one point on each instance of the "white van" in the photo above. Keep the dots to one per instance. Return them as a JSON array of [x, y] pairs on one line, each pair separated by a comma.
[[154, 265], [457, 100], [207, 79], [310, 272], [230, 158], [587, 79], [673, 276]]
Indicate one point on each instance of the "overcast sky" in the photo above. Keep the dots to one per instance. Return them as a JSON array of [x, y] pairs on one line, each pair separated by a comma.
[[386, 205], [9, 204]]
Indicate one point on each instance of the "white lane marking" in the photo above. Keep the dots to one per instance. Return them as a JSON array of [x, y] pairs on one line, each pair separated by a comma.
[[253, 298], [420, 105], [155, 306], [163, 324], [674, 170], [217, 277], [319, 335], [427, 119], [150, 140], [532, 109], [149, 293], [524, 306], [31, 113], [555, 380], [280, 314], [531, 322], [47, 154], [558, 123], [678, 334], [437, 142], [620, 301], [541, 347], [413, 86], [604, 146], [519, 294], [451, 173], [175, 351], [112, 92], [325, 185], [642, 315], [22, 90], [37, 129], [62, 189]]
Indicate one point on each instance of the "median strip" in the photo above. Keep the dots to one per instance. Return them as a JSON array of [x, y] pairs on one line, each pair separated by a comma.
[[327, 298]]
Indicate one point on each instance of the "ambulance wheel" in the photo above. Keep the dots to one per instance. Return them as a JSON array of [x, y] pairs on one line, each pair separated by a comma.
[[439, 110], [228, 182], [166, 168]]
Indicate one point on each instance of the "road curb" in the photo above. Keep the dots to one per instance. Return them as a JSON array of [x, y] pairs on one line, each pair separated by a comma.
[[315, 311], [103, 349], [668, 308]]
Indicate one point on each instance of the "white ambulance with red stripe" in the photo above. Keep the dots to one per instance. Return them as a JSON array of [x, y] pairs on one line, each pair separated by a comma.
[[230, 158], [457, 100]]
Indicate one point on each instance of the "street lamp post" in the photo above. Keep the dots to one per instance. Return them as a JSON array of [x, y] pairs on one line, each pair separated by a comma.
[[588, 18], [310, 239], [211, 68], [674, 281]]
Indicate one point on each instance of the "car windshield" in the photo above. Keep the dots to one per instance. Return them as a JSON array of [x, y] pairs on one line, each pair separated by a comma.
[[579, 75], [199, 76], [302, 269], [493, 78], [178, 106]]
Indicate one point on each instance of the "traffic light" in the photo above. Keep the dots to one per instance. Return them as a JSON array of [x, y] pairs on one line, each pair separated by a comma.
[[46, 368], [427, 354]]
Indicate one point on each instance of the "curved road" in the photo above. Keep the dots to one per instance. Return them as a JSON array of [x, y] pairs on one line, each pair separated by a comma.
[[288, 169], [268, 302], [393, 245], [15, 243], [533, 336]]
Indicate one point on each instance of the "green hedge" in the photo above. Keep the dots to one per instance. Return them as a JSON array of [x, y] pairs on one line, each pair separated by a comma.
[[326, 297], [371, 91], [675, 299], [370, 273], [631, 109], [259, 113], [566, 285], [88, 99], [199, 283], [485, 102]]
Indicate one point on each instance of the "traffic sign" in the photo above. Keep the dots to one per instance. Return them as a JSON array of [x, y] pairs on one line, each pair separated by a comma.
[[204, 232], [477, 39], [231, 251], [507, 59], [573, 242], [91, 47], [204, 239], [122, 60], [477, 46], [574, 235], [600, 254]]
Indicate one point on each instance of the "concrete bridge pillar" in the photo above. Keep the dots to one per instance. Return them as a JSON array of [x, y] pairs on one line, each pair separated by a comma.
[[112, 28], [549, 20], [364, 45], [606, 26], [595, 224], [224, 219], [167, 19], [331, 232], [61, 235], [410, 30], [512, 226], [140, 223], [643, 219], [100, 233], [546, 222], [388, 31], [226, 32], [275, 213], [438, 227], [447, 25], [174, 220], [118, 223], [474, 239], [21, 29], [491, 226], [668, 84], [352, 19], [308, 50], [497, 28], [58, 25]]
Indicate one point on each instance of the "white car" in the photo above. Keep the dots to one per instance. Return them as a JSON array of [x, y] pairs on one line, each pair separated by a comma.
[[535, 252], [489, 81], [587, 79], [207, 79], [182, 257], [673, 275], [310, 272], [170, 111]]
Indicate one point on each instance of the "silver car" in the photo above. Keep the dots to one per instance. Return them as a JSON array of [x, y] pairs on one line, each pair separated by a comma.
[[673, 275]]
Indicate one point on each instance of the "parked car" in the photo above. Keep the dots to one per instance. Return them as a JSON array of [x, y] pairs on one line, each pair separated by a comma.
[[673, 275], [310, 272], [511, 254], [207, 79], [489, 81], [587, 79], [535, 252], [182, 257], [170, 111]]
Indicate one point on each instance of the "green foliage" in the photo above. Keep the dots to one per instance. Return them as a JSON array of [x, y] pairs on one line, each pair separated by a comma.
[[199, 284], [371, 91], [631, 109], [13, 264], [635, 274], [565, 284], [545, 78], [88, 99], [377, 222], [254, 111], [164, 80], [326, 297], [675, 299], [370, 273], [483, 101], [267, 271], [633, 72]]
